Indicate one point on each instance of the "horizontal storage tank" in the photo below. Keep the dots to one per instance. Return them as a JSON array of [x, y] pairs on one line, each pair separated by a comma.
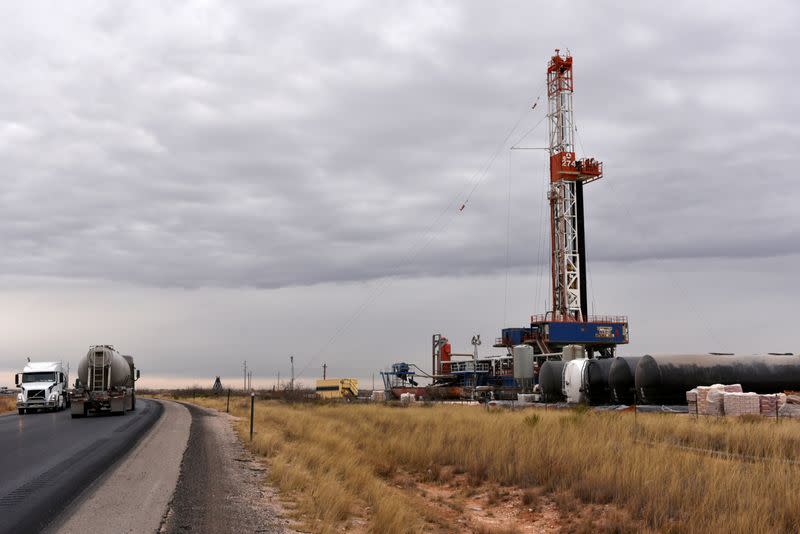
[[622, 379], [665, 379], [523, 362], [550, 380], [575, 381], [596, 386]]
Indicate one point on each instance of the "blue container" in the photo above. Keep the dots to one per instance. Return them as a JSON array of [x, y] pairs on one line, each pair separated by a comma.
[[515, 336], [587, 333]]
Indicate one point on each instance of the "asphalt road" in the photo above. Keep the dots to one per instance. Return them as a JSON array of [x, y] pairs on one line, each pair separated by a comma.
[[48, 459]]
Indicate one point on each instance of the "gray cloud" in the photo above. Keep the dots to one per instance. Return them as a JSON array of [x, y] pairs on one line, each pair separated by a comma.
[[282, 145]]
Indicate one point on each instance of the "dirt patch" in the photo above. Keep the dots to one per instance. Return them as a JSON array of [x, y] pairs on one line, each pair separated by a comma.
[[492, 509]]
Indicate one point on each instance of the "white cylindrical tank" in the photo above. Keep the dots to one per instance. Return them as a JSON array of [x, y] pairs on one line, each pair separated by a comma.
[[523, 362], [574, 380], [573, 352], [116, 371]]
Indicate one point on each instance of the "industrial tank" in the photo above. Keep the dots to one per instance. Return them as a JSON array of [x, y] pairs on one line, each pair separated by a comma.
[[116, 369], [622, 379], [523, 366], [596, 385], [575, 380], [665, 379], [550, 380]]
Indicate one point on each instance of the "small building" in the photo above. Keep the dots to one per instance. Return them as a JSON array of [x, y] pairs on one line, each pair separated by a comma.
[[337, 388]]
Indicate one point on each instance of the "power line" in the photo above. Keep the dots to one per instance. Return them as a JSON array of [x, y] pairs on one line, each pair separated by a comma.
[[428, 238]]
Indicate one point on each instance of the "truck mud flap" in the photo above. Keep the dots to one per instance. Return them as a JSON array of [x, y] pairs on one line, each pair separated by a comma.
[[77, 409], [118, 405]]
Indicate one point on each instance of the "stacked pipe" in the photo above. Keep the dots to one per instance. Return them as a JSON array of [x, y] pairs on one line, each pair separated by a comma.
[[666, 379]]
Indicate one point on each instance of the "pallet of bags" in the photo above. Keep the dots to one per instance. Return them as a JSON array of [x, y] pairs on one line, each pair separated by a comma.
[[789, 410], [715, 401], [702, 398], [710, 400], [737, 404], [691, 400], [792, 397], [731, 388], [771, 403]]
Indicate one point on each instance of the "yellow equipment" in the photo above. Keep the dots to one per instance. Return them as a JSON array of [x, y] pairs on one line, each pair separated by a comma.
[[337, 388]]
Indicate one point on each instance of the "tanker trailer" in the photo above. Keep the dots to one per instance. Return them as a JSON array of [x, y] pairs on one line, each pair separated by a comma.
[[621, 379], [665, 379], [106, 382]]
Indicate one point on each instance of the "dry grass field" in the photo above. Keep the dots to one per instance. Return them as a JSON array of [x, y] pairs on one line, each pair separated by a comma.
[[375, 468], [8, 403]]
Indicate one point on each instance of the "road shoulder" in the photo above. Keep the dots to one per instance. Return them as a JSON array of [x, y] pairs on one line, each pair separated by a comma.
[[135, 495], [222, 488]]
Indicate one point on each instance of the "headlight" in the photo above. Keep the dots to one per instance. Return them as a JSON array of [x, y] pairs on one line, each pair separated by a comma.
[[53, 396], [20, 397]]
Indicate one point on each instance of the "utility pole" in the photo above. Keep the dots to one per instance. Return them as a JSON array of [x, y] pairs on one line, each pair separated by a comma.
[[324, 371], [291, 386], [245, 375], [476, 341]]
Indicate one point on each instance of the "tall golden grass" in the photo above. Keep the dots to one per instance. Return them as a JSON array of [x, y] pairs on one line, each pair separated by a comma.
[[333, 460], [8, 403]]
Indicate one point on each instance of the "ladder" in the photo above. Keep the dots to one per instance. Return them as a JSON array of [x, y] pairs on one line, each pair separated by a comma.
[[98, 372]]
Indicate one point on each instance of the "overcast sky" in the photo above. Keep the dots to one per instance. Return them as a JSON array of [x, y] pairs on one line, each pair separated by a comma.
[[201, 182]]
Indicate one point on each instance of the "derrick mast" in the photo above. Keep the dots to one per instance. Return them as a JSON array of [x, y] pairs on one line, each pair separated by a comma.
[[568, 322], [567, 177]]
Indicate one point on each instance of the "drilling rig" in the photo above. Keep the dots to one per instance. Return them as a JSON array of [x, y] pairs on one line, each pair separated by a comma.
[[568, 321]]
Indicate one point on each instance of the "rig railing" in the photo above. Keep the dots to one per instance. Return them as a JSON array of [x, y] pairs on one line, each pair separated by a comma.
[[550, 318]]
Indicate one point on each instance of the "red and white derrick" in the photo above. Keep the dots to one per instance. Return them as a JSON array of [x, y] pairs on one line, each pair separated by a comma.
[[567, 177]]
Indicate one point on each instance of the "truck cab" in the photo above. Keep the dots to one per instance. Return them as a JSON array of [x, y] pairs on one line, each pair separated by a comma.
[[43, 386]]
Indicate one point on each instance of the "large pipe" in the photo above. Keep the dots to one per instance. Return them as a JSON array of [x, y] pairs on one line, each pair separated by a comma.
[[550, 379], [596, 382], [665, 379], [622, 379]]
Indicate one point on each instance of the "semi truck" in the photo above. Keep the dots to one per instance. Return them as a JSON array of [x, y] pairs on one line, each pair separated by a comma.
[[106, 383], [43, 386]]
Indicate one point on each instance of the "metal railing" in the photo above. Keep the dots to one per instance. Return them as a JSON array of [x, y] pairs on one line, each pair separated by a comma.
[[550, 318]]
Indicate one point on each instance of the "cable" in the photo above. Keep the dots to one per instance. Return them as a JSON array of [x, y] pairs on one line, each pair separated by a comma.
[[489, 164], [413, 254], [540, 243], [508, 242]]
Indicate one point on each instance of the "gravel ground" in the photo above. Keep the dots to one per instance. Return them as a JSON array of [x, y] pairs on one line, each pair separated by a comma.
[[221, 488]]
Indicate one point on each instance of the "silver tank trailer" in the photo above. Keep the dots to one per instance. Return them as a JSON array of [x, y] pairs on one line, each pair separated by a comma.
[[112, 363], [106, 383]]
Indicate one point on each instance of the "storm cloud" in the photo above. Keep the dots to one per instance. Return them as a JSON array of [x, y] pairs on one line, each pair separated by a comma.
[[197, 179], [212, 144]]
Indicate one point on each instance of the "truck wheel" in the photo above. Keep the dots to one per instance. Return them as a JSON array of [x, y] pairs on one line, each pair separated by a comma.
[[22, 411]]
